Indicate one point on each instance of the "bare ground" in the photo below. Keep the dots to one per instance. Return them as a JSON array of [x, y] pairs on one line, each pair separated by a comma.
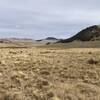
[[49, 74]]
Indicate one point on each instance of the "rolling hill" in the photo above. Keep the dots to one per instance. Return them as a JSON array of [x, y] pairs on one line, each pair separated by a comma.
[[48, 40], [91, 33]]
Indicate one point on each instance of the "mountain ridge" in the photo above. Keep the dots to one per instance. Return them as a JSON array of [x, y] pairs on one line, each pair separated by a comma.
[[91, 33]]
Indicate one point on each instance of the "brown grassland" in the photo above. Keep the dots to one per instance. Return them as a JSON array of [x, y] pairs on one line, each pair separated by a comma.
[[49, 73]]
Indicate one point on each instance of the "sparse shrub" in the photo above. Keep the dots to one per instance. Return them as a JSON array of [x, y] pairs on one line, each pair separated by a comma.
[[41, 83], [45, 83], [45, 52], [58, 61], [11, 96], [12, 52], [45, 72], [7, 97], [21, 51], [93, 61], [50, 94], [89, 52], [48, 43]]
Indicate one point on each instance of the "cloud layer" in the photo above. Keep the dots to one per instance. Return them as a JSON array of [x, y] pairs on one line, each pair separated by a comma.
[[42, 18]]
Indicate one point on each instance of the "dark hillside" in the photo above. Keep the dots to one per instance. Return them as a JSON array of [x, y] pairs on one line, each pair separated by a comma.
[[89, 34]]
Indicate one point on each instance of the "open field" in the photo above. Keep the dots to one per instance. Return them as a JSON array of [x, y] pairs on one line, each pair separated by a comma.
[[49, 74], [74, 44]]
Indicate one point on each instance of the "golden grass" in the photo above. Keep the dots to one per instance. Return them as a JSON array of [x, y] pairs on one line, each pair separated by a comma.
[[49, 74]]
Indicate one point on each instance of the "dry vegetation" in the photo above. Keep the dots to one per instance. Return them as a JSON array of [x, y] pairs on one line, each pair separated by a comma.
[[49, 74]]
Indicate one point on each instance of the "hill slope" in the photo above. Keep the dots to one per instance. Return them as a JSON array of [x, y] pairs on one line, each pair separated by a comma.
[[89, 34]]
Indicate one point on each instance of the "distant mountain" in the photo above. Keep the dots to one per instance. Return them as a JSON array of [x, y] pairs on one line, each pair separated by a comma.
[[91, 33], [13, 40], [51, 38], [5, 41], [20, 39], [48, 40]]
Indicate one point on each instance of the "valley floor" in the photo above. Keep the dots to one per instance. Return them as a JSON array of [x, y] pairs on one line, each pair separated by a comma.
[[49, 74]]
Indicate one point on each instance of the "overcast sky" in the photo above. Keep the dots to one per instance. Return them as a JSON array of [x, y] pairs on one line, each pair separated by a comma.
[[42, 18]]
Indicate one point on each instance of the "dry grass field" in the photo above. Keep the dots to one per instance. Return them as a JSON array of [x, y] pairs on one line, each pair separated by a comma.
[[49, 74]]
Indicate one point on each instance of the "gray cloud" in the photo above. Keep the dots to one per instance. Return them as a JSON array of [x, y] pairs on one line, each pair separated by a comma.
[[41, 18]]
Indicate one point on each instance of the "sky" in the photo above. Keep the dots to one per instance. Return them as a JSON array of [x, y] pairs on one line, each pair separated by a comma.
[[47, 18]]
